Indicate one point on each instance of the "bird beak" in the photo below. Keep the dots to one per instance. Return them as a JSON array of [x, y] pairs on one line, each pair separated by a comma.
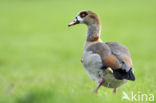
[[76, 21]]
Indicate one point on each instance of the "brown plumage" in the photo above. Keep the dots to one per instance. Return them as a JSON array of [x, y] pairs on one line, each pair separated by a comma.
[[112, 62], [109, 63]]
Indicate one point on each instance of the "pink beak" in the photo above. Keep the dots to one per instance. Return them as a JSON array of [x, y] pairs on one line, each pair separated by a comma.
[[74, 22]]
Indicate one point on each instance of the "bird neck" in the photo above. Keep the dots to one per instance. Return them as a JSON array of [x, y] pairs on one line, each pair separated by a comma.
[[93, 32]]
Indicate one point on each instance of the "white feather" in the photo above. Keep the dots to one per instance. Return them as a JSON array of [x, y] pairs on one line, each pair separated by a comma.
[[79, 19]]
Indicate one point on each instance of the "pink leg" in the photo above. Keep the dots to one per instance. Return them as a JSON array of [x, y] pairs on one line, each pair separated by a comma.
[[100, 83], [115, 90]]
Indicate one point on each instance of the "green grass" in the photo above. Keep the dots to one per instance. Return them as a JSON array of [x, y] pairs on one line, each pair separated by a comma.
[[40, 56]]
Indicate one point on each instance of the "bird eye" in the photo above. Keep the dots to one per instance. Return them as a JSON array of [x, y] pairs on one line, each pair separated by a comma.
[[83, 14]]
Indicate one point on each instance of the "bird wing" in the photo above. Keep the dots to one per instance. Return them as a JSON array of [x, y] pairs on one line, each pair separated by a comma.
[[107, 58], [115, 56], [122, 54]]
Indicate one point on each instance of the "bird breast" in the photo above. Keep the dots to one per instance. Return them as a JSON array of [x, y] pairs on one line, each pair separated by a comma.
[[92, 64]]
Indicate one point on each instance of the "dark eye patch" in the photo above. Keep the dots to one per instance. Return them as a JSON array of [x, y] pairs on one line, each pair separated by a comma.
[[83, 14]]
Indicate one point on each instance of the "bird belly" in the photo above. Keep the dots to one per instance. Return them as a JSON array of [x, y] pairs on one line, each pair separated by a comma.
[[92, 64], [111, 82]]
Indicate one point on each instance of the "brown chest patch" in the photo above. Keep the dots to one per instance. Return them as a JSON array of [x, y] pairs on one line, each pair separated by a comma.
[[93, 39]]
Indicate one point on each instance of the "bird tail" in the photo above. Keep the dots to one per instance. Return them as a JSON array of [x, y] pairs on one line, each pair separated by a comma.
[[122, 74]]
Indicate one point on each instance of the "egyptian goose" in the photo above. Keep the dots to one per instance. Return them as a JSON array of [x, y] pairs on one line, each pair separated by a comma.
[[109, 64]]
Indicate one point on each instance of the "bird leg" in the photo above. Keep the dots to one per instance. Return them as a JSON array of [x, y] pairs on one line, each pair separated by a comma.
[[115, 90], [101, 80]]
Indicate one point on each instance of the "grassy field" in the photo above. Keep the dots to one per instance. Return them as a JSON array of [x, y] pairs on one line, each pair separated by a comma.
[[40, 56]]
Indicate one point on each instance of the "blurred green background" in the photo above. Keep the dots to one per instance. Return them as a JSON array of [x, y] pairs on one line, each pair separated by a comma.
[[40, 56]]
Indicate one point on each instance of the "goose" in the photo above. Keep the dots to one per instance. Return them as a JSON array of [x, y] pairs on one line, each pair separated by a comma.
[[109, 64]]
